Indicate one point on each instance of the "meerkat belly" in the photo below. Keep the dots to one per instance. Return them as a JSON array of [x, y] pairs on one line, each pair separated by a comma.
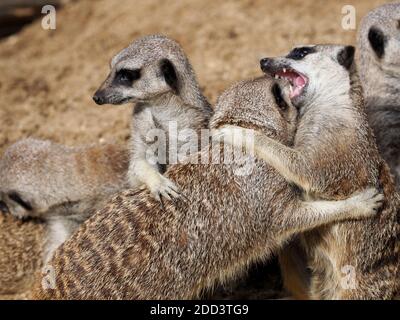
[[324, 247]]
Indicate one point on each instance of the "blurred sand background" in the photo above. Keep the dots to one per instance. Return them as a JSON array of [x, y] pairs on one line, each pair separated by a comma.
[[48, 77]]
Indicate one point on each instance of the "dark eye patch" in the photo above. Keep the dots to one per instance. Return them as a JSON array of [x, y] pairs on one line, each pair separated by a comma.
[[126, 77], [277, 92], [300, 53], [16, 198]]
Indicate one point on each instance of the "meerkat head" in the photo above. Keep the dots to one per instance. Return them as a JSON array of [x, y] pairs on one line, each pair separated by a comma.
[[259, 104], [150, 67], [23, 189], [313, 71], [379, 36], [378, 56]]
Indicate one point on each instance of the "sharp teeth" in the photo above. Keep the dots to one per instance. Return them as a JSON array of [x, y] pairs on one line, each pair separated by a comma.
[[284, 70], [276, 76]]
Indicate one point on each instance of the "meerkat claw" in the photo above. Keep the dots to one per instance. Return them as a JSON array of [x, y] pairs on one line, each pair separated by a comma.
[[161, 202]]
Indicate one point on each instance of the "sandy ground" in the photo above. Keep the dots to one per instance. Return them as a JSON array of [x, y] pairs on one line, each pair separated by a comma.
[[47, 78]]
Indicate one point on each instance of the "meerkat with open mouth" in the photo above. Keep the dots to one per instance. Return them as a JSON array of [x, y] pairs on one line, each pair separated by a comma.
[[334, 154]]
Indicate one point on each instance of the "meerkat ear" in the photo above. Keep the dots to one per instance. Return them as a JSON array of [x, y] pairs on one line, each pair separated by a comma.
[[346, 56], [169, 73], [377, 40]]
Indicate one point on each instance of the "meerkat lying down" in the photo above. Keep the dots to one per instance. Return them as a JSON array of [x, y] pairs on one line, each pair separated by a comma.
[[379, 64], [61, 185], [334, 154], [132, 250], [156, 76]]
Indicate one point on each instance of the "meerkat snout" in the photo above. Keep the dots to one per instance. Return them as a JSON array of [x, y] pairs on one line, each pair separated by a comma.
[[98, 98]]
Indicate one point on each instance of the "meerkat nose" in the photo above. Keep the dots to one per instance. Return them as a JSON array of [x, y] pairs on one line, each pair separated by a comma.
[[265, 63], [98, 99]]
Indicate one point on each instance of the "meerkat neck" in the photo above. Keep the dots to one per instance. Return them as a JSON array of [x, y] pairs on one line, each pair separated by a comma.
[[188, 87], [190, 93], [344, 97]]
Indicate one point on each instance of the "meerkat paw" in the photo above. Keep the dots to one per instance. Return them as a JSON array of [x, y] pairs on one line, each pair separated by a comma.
[[161, 187], [367, 203]]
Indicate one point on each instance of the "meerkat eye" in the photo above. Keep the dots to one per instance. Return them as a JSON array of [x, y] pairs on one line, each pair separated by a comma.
[[277, 92], [126, 76], [16, 198], [300, 53], [398, 24]]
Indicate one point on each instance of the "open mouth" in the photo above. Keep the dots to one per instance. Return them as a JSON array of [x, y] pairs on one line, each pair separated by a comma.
[[297, 81]]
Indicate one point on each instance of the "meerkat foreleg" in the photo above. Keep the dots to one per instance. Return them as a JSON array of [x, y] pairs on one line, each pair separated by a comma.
[[312, 214], [143, 166], [290, 163], [142, 172]]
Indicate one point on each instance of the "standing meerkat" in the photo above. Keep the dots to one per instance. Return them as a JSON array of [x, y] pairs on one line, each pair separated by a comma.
[[379, 65], [333, 155], [58, 184], [129, 251], [155, 74]]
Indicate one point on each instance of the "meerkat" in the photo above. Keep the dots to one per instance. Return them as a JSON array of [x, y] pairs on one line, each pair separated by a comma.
[[334, 154], [379, 65], [128, 251], [156, 76], [58, 184]]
